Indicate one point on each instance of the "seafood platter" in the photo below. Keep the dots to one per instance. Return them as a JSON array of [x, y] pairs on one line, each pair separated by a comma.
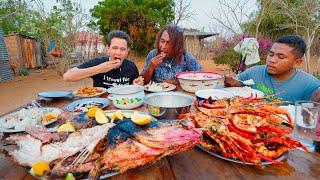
[[89, 92], [100, 144], [244, 130], [159, 87]]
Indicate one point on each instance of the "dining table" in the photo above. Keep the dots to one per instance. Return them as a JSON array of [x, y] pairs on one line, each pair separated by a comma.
[[191, 164]]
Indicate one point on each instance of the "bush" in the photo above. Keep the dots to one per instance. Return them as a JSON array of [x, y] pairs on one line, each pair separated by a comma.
[[23, 72], [229, 57], [316, 74], [226, 55]]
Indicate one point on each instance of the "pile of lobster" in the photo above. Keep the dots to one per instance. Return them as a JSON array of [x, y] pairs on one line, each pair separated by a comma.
[[247, 129]]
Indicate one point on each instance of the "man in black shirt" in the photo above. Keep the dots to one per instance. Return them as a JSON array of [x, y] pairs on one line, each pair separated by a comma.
[[114, 69]]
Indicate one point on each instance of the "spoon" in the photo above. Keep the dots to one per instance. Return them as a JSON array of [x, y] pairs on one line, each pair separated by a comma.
[[248, 82]]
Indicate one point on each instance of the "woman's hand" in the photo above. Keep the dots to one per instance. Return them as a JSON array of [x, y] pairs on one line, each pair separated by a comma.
[[156, 61]]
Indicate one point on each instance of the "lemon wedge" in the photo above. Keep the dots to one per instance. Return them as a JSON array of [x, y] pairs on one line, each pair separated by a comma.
[[70, 177], [101, 117], [92, 112], [118, 115], [141, 119], [39, 168], [154, 110], [67, 127], [49, 116]]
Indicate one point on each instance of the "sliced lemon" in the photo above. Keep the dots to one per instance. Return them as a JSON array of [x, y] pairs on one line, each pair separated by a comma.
[[70, 177], [141, 119], [118, 115], [111, 116], [154, 110], [39, 168], [101, 117], [92, 112], [127, 115], [49, 116], [67, 127]]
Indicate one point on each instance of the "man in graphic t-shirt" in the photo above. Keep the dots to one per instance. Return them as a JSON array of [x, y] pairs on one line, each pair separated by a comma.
[[279, 78], [114, 69]]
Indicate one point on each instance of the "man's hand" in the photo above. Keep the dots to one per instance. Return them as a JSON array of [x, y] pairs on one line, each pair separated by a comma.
[[109, 65], [139, 81], [316, 95], [231, 82], [157, 60]]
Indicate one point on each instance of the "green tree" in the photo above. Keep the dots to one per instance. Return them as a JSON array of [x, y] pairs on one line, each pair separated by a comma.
[[141, 19], [29, 18], [301, 17]]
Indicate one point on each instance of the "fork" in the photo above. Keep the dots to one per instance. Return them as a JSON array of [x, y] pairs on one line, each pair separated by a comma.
[[84, 154]]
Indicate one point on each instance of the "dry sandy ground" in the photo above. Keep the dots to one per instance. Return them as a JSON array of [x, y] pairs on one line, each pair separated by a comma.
[[22, 90]]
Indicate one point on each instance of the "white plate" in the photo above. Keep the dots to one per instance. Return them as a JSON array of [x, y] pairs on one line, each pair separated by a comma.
[[157, 87], [244, 91], [213, 93], [72, 106], [38, 116], [104, 90]]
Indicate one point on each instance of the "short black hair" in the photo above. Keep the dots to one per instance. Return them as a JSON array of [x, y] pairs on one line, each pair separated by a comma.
[[118, 34], [296, 42]]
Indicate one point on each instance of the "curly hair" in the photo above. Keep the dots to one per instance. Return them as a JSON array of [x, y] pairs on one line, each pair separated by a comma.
[[119, 34], [176, 41]]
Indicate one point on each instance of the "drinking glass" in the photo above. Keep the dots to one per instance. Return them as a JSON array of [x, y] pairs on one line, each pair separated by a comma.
[[305, 122]]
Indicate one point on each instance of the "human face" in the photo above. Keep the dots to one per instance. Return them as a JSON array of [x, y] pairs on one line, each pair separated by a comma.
[[118, 49], [165, 44], [281, 61]]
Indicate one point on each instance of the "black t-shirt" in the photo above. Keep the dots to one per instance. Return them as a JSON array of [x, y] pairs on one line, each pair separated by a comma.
[[123, 75]]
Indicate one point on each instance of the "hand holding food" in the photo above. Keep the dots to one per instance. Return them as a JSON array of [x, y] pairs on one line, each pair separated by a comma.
[[109, 65], [157, 60]]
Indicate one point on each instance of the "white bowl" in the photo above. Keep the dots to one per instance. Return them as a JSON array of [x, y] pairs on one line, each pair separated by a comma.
[[126, 96], [197, 80], [214, 93]]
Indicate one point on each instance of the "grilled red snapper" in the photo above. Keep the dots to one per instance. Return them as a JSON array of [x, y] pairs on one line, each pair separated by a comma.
[[130, 146]]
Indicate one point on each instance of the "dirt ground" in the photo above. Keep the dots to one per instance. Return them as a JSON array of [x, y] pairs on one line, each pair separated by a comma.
[[22, 90]]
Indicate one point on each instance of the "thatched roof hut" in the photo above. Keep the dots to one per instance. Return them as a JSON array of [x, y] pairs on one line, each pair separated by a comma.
[[193, 42]]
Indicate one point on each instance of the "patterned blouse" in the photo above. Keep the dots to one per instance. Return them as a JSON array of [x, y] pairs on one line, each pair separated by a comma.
[[168, 69]]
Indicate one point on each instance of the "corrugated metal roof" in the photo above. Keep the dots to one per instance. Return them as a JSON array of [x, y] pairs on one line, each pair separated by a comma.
[[199, 34], [5, 70]]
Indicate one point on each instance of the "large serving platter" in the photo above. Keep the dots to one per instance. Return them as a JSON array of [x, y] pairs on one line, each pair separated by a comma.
[[22, 114], [282, 157]]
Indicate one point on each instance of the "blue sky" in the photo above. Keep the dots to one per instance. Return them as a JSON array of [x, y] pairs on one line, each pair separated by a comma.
[[204, 10]]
